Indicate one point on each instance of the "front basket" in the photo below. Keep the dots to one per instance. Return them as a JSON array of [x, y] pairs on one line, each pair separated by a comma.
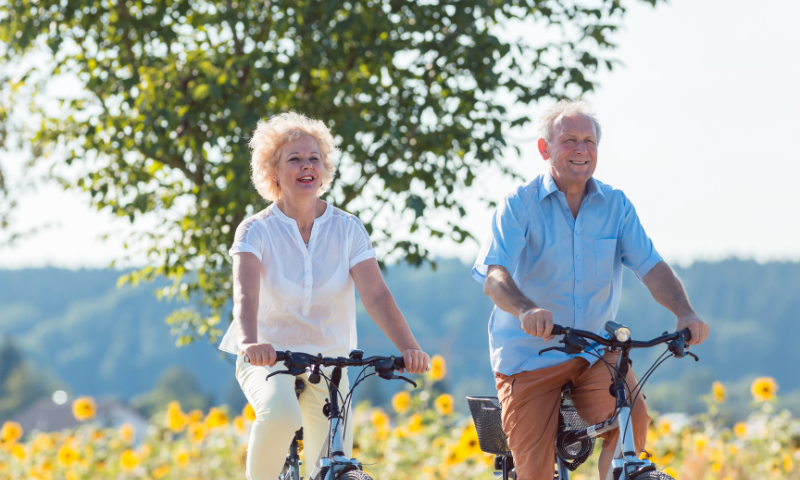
[[488, 422]]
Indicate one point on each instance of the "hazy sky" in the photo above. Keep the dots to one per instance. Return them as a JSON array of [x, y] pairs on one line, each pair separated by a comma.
[[700, 129]]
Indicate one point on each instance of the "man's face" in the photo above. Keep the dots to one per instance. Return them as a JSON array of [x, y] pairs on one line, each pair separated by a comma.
[[572, 153]]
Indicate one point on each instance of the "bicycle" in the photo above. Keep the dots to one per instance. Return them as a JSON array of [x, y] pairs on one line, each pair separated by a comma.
[[575, 439], [291, 468], [333, 465]]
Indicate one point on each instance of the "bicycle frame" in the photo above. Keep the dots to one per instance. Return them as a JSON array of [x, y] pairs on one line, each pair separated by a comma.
[[293, 463], [333, 456], [625, 451]]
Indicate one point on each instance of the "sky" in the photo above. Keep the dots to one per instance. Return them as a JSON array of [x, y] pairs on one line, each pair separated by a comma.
[[700, 130]]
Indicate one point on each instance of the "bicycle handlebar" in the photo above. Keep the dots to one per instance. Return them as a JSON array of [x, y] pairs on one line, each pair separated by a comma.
[[297, 363], [308, 360], [612, 342]]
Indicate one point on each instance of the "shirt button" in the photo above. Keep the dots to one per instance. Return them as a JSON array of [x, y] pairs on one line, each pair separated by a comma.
[[578, 232], [578, 257], [578, 305], [579, 281]]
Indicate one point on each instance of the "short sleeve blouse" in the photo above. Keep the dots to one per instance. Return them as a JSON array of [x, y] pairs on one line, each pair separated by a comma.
[[306, 300]]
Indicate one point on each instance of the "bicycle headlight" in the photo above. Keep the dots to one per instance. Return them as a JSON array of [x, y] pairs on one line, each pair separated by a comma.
[[623, 334]]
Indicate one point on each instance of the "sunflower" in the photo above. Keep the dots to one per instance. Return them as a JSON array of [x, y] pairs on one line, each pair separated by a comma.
[[127, 433], [175, 419], [19, 452], [764, 389], [161, 471], [788, 462], [11, 432], [181, 457], [249, 413], [195, 416], [444, 404], [67, 455], [438, 368], [718, 392], [664, 426], [415, 424], [740, 430], [84, 408], [401, 401], [197, 432], [468, 444], [128, 460], [700, 443], [379, 419], [216, 418], [42, 442]]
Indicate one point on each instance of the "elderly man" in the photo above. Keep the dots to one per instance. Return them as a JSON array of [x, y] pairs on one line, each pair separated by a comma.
[[555, 254]]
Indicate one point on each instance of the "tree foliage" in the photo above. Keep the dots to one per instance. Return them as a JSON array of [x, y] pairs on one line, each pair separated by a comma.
[[20, 384], [171, 88]]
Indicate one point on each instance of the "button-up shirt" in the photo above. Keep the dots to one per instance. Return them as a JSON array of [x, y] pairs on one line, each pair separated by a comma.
[[569, 266], [306, 300]]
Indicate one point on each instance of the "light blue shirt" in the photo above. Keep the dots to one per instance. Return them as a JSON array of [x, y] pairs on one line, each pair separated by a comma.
[[569, 266]]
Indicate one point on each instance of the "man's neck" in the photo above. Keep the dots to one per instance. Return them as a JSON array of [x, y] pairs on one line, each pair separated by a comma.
[[575, 194]]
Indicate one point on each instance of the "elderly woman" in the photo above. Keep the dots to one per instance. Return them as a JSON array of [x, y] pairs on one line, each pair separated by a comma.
[[295, 266]]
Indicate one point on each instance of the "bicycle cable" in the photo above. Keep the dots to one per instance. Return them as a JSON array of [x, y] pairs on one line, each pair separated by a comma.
[[659, 361], [612, 370], [349, 397]]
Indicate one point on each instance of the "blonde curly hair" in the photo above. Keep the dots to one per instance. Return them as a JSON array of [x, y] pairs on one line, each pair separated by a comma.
[[270, 137]]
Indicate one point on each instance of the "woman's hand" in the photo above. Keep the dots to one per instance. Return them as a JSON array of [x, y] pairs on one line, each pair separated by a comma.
[[260, 354], [417, 361]]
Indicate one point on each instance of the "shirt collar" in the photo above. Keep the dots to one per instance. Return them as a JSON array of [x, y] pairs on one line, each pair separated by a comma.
[[548, 186], [278, 213]]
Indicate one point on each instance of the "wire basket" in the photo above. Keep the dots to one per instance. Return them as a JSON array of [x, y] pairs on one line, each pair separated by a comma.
[[486, 413]]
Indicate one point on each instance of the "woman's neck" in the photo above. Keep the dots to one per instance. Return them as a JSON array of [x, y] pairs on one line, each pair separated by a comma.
[[303, 211]]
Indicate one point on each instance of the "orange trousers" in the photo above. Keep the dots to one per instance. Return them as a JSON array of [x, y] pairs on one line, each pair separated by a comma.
[[531, 401]]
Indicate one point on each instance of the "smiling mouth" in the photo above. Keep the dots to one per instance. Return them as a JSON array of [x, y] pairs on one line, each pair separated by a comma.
[[578, 163], [306, 179]]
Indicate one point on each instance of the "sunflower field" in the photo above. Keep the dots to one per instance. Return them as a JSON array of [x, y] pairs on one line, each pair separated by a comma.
[[420, 438]]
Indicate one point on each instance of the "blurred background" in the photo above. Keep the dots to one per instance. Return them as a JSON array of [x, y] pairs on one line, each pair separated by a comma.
[[100, 180]]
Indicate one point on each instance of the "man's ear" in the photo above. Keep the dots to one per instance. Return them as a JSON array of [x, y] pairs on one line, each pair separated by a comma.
[[542, 144]]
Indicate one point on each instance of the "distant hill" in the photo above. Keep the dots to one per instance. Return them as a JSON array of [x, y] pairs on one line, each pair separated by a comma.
[[98, 339], [105, 341]]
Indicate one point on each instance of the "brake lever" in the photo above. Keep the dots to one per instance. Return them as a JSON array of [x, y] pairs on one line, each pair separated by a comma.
[[693, 356], [573, 344], [290, 370], [412, 382], [279, 372], [560, 349], [389, 375]]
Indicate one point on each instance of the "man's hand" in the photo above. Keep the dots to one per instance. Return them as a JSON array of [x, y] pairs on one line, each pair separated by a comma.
[[537, 322], [698, 327], [260, 354], [417, 361]]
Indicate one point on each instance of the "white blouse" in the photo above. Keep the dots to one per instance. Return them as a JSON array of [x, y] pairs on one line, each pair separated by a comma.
[[306, 302]]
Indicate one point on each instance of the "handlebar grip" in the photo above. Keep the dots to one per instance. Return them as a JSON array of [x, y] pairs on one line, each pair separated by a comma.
[[399, 362], [279, 357], [558, 330], [687, 334]]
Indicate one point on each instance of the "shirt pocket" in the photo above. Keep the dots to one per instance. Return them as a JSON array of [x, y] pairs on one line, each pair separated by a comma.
[[605, 249]]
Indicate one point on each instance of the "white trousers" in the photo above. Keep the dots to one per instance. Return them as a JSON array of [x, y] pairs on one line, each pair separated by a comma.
[[280, 413]]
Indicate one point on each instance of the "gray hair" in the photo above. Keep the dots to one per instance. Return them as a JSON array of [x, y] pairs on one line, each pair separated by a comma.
[[566, 108]]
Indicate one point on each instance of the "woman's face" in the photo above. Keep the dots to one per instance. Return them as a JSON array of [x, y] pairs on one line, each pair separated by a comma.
[[299, 168]]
